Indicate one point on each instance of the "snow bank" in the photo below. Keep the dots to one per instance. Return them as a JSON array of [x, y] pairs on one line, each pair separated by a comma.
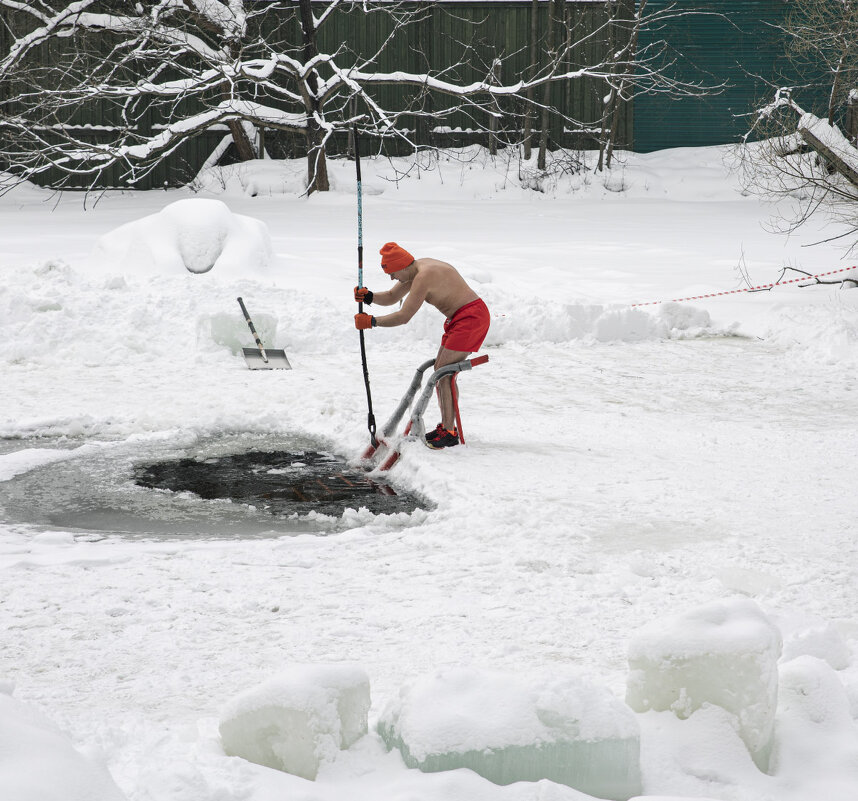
[[39, 763], [194, 234], [511, 728], [814, 727], [826, 333], [535, 320], [821, 640], [299, 719], [267, 178], [724, 653]]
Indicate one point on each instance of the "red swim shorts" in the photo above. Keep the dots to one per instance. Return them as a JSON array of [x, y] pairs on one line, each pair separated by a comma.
[[467, 328]]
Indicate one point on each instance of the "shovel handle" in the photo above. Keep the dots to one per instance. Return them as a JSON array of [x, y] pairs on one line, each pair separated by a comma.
[[253, 330]]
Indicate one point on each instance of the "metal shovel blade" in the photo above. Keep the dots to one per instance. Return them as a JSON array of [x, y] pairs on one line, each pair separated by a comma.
[[276, 359]]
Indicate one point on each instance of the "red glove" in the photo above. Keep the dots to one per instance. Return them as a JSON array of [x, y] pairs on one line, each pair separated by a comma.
[[363, 295], [363, 321]]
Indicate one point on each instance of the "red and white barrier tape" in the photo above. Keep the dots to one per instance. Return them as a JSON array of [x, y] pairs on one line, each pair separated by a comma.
[[748, 289]]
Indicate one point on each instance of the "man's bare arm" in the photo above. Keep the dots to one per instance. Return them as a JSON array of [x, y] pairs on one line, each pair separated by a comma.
[[391, 296], [414, 300]]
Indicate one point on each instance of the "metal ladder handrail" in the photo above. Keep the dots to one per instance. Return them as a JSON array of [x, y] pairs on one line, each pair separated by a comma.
[[415, 427]]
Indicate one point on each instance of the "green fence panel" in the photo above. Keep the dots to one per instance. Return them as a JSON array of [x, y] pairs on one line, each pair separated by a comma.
[[736, 42]]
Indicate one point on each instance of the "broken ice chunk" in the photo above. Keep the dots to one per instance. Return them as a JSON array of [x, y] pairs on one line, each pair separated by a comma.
[[510, 728], [725, 653], [299, 719]]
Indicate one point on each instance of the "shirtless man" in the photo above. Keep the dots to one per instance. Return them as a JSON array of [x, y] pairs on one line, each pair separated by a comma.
[[440, 285]]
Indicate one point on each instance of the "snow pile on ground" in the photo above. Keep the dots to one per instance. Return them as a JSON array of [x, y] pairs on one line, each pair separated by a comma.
[[49, 313], [826, 335], [814, 727], [195, 234], [39, 763], [254, 178]]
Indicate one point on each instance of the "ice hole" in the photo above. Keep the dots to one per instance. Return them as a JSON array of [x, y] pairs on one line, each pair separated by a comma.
[[279, 482], [228, 485]]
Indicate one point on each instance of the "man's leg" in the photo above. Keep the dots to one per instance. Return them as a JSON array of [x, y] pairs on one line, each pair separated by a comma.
[[445, 391]]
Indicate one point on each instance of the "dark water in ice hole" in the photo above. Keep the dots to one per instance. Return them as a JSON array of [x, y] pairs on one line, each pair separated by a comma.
[[231, 486], [280, 482]]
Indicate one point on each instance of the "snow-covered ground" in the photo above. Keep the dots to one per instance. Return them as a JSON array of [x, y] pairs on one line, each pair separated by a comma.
[[624, 463]]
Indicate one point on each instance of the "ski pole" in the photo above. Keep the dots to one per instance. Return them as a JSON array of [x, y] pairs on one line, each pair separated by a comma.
[[370, 420]]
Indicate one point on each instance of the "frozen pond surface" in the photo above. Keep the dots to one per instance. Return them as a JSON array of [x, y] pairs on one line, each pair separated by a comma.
[[229, 486]]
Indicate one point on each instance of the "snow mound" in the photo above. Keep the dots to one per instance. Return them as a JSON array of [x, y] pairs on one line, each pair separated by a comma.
[[299, 719], [822, 641], [254, 178], [271, 178], [39, 763], [537, 320], [511, 728], [725, 654], [194, 234], [826, 333], [814, 727]]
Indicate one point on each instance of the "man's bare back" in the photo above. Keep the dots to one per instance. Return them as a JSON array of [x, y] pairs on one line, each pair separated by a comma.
[[425, 280]]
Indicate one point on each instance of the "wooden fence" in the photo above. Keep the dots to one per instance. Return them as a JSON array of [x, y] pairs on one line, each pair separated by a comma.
[[464, 36]]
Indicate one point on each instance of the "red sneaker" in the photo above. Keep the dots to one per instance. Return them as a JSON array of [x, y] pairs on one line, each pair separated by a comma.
[[435, 433], [446, 439]]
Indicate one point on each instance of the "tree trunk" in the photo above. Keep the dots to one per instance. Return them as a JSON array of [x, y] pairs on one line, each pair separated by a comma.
[[637, 18], [531, 73], [317, 162], [852, 120], [243, 146], [610, 98], [317, 168], [835, 89], [495, 114], [554, 15]]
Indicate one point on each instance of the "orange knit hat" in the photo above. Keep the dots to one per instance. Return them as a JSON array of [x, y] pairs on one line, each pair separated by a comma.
[[394, 258]]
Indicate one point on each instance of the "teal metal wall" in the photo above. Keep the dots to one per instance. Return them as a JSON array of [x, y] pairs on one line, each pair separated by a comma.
[[735, 41]]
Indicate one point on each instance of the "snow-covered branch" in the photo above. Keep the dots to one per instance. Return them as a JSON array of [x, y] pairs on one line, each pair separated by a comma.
[[160, 71]]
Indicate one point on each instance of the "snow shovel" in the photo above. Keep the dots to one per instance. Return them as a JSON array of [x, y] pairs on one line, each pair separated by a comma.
[[258, 358]]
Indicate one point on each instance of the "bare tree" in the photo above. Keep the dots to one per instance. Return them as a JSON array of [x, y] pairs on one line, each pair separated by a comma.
[[533, 66], [161, 72], [802, 142], [556, 18], [633, 69], [621, 78]]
